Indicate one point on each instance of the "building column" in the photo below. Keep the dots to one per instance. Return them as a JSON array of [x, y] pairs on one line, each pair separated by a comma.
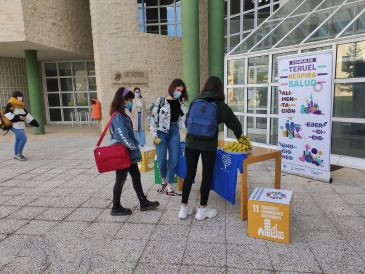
[[34, 90], [190, 47], [216, 38]]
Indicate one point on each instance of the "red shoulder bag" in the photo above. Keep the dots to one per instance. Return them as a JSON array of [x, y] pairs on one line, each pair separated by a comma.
[[113, 157]]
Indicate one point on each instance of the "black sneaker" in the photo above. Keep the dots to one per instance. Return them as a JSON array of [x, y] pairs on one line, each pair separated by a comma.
[[148, 205], [120, 211]]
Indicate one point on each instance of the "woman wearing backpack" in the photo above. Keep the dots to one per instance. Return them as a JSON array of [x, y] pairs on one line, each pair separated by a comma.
[[138, 116], [168, 115], [211, 100], [121, 131], [15, 111]]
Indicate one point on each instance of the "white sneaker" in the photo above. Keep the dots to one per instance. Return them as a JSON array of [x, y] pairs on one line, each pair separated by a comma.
[[185, 211], [205, 212]]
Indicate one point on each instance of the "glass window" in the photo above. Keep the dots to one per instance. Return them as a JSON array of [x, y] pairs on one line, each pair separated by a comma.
[[279, 33], [93, 95], [286, 9], [316, 49], [275, 7], [236, 72], [236, 99], [248, 5], [225, 8], [235, 6], [151, 15], [349, 100], [178, 30], [178, 14], [275, 64], [168, 30], [274, 100], [51, 69], [330, 4], [234, 40], [166, 2], [263, 3], [248, 21], [80, 84], [306, 7], [54, 100], [79, 69], [82, 99], [262, 14], [258, 69], [235, 25], [257, 100], [52, 84], [356, 27], [67, 112], [66, 84], [68, 99], [92, 83], [336, 23], [153, 29], [230, 133], [348, 139], [305, 28], [91, 68], [55, 115], [350, 61], [65, 69], [167, 14], [274, 123], [256, 129]]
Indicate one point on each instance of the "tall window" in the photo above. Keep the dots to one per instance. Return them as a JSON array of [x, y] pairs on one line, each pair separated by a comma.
[[160, 17], [242, 16], [69, 88]]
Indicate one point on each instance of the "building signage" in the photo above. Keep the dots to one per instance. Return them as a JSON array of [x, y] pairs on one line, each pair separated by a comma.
[[129, 77], [305, 105]]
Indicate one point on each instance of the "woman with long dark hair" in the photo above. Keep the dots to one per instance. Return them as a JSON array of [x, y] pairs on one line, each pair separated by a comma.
[[138, 116], [212, 93], [168, 116], [121, 131]]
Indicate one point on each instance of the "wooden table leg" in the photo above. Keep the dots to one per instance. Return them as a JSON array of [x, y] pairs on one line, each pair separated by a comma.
[[179, 184], [244, 192], [278, 171]]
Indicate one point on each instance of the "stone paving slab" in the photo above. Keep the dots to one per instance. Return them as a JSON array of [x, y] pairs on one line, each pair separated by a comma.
[[55, 218]]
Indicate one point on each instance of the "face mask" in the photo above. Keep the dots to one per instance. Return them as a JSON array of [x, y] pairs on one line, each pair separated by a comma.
[[177, 94], [138, 94], [19, 99], [129, 105]]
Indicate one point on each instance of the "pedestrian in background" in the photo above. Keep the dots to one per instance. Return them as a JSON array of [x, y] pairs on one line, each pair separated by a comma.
[[138, 116]]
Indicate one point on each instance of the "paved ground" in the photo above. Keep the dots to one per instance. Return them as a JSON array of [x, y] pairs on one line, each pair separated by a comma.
[[54, 218]]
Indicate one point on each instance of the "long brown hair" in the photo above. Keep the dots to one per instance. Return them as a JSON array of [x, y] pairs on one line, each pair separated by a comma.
[[178, 83], [121, 96], [214, 84]]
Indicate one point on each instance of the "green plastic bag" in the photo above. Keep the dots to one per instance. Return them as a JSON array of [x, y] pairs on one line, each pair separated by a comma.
[[158, 180]]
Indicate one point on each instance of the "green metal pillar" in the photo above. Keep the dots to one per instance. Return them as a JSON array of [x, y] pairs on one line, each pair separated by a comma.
[[216, 38], [190, 47], [34, 90]]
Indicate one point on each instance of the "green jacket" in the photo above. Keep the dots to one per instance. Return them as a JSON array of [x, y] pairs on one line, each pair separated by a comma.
[[225, 115]]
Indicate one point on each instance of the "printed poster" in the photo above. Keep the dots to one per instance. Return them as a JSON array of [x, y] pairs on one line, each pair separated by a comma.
[[305, 105]]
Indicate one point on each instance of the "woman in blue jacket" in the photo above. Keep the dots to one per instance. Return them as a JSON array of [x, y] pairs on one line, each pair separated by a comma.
[[121, 131]]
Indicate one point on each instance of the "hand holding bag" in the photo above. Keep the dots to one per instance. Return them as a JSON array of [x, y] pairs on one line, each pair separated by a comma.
[[113, 157]]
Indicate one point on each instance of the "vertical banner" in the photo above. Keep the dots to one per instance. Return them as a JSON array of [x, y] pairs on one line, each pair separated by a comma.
[[305, 105]]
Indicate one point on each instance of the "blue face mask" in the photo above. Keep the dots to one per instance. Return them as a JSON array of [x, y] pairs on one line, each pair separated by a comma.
[[129, 105], [177, 94]]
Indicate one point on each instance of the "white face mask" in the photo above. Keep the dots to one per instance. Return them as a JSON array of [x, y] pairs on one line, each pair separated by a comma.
[[19, 99]]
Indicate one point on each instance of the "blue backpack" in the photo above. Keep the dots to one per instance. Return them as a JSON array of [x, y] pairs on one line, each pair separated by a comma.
[[202, 120]]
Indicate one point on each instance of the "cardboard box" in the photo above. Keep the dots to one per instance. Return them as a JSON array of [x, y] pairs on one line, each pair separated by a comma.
[[148, 157], [269, 214]]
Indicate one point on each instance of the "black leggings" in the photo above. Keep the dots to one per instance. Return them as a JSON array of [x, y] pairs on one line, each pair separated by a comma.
[[208, 159], [121, 176]]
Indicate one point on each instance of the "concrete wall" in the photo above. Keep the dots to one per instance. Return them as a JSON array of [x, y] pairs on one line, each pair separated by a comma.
[[119, 45], [11, 21], [61, 24]]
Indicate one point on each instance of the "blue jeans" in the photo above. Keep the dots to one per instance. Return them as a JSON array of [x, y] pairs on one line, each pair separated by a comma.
[[170, 142], [20, 140], [139, 134]]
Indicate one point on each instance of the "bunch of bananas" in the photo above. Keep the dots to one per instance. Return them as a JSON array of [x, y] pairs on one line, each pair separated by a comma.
[[243, 145]]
